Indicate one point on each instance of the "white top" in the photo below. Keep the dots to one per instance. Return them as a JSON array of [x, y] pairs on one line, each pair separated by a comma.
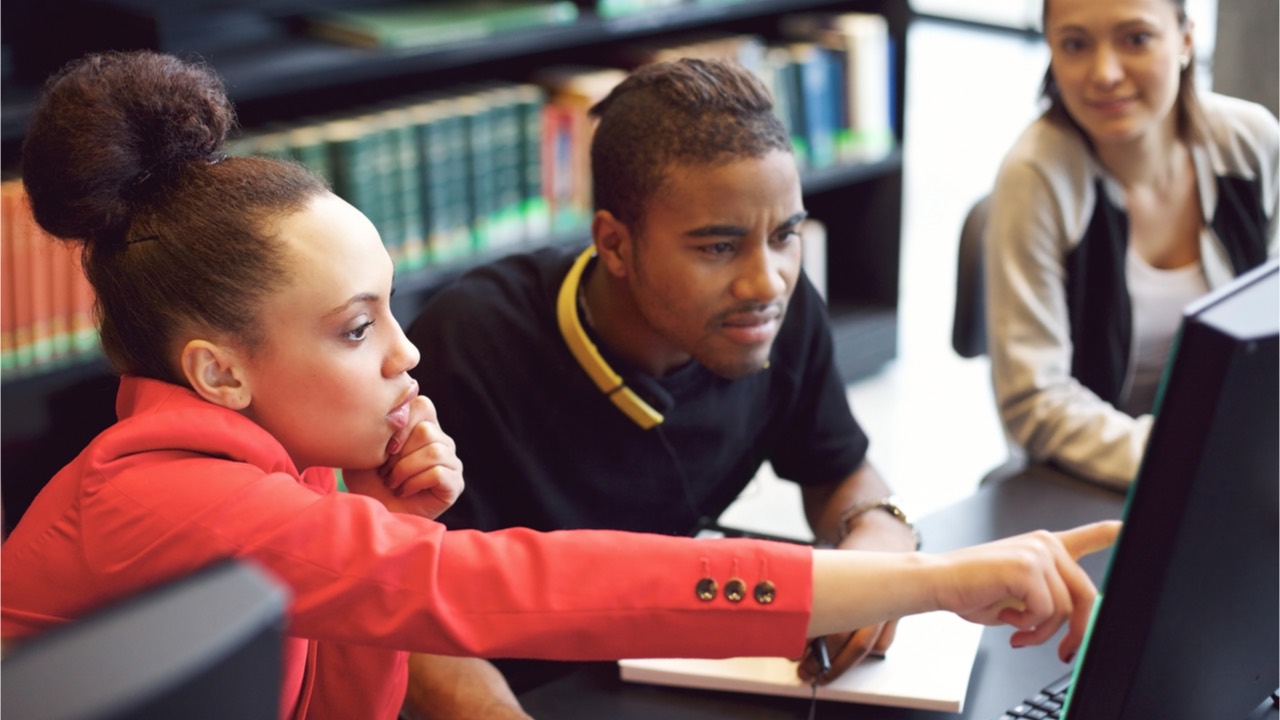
[[1157, 296]]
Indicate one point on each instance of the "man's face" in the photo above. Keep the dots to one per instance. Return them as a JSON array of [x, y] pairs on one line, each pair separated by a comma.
[[718, 259]]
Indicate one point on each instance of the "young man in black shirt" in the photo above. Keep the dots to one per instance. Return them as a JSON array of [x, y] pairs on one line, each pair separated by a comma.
[[639, 384]]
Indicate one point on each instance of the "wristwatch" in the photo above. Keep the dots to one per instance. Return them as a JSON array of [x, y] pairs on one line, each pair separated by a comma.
[[888, 504]]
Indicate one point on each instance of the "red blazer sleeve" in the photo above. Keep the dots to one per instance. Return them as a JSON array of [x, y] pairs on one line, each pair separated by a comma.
[[362, 575]]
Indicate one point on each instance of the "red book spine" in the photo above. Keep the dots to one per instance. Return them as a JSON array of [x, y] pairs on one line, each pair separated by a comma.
[[8, 311], [39, 282]]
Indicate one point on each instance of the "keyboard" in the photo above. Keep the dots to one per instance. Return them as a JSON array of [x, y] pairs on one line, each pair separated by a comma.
[[1044, 705]]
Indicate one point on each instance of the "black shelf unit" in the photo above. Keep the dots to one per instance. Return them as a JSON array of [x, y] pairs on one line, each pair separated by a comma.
[[273, 73]]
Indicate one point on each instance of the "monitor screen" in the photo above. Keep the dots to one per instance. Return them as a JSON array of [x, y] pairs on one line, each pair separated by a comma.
[[1188, 622], [205, 646]]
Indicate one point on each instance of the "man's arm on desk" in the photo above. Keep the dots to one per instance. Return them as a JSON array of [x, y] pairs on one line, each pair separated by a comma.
[[458, 688], [828, 509]]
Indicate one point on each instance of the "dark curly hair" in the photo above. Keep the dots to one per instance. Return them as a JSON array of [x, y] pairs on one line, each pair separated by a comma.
[[686, 112], [124, 156]]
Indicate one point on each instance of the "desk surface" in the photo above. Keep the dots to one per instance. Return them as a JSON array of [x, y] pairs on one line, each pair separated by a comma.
[[1038, 497]]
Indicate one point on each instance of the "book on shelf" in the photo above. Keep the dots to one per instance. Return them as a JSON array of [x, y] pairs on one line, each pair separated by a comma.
[[560, 175], [386, 209], [404, 185], [425, 25], [495, 144], [38, 266], [818, 102], [477, 115], [13, 330], [508, 227], [444, 173], [778, 71], [6, 291], [530, 101], [58, 262], [572, 90]]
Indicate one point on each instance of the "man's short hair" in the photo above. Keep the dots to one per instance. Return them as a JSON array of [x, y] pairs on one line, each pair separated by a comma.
[[686, 112]]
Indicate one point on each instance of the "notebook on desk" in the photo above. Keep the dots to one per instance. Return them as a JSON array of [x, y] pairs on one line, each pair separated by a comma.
[[927, 667], [1186, 623]]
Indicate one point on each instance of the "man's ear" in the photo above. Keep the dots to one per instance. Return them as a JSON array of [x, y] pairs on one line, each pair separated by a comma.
[[614, 243], [216, 374]]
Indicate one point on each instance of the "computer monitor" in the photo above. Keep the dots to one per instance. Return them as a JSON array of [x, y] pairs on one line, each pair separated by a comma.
[[205, 646], [1187, 626]]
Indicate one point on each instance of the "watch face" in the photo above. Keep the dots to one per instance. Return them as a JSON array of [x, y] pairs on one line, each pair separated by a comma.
[[894, 504]]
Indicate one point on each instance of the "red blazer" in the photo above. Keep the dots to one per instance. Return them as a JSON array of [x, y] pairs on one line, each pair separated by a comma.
[[179, 482]]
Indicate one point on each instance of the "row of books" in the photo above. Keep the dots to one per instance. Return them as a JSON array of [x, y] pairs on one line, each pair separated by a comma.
[[441, 176], [832, 79], [469, 170], [835, 81], [46, 312], [466, 171]]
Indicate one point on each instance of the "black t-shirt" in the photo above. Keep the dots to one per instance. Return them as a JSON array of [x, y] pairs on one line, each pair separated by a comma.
[[542, 447]]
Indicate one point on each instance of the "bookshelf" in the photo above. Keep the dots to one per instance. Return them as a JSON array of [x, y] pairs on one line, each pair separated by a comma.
[[275, 74]]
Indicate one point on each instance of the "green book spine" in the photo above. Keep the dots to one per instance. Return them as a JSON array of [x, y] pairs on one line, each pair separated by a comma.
[[444, 137], [788, 79], [534, 209], [508, 225], [482, 177], [389, 213], [426, 114], [406, 175], [457, 188]]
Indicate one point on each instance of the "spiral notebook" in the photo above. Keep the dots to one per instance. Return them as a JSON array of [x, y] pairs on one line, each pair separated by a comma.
[[927, 667]]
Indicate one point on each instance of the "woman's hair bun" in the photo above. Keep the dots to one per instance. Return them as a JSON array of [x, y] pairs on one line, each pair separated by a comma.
[[111, 130]]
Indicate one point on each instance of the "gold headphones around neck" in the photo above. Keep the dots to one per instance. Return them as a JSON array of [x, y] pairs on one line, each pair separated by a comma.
[[588, 355]]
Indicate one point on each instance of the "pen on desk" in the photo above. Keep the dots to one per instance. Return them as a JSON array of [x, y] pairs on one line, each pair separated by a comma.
[[819, 647]]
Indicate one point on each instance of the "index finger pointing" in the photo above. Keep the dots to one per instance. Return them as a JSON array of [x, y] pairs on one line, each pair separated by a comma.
[[1091, 538]]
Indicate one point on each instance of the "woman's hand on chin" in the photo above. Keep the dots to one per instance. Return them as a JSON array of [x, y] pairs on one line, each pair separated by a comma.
[[423, 477]]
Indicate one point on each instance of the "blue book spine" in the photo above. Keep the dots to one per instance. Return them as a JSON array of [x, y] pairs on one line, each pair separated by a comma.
[[821, 112]]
